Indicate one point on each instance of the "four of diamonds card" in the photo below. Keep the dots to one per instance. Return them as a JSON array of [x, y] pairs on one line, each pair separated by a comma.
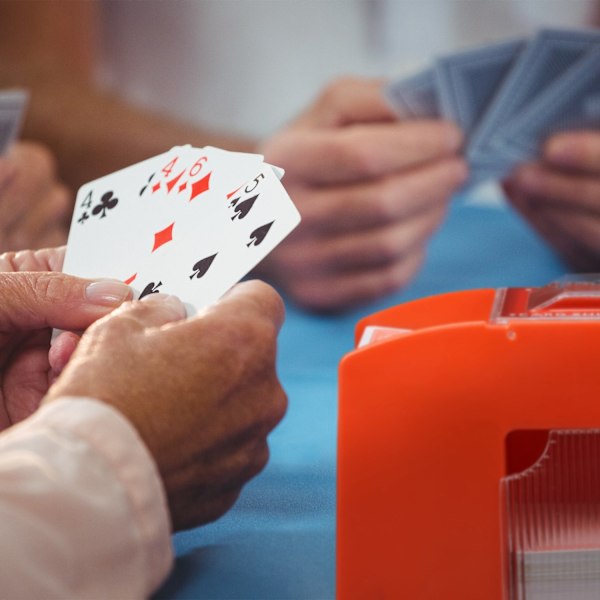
[[190, 222]]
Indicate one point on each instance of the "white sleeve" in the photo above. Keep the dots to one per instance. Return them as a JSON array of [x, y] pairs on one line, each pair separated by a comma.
[[82, 510]]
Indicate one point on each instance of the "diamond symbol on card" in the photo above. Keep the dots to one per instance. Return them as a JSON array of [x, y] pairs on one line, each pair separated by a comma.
[[171, 184], [200, 186], [234, 191], [156, 186], [162, 237], [183, 186]]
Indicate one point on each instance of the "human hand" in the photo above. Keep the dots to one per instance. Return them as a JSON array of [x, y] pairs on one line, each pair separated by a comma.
[[371, 190], [31, 304], [34, 205], [202, 392], [560, 196]]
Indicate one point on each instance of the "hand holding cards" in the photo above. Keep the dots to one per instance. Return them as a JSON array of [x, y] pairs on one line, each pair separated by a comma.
[[190, 222], [510, 97]]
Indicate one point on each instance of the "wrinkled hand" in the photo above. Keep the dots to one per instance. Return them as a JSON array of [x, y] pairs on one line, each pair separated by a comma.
[[560, 196], [31, 304], [202, 392], [34, 206], [371, 190]]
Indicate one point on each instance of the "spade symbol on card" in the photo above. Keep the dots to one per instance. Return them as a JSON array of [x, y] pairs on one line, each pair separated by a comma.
[[151, 288], [202, 266], [147, 183], [243, 208], [107, 202], [259, 234]]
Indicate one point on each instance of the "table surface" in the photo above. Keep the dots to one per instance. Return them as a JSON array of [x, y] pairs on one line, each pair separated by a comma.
[[278, 541]]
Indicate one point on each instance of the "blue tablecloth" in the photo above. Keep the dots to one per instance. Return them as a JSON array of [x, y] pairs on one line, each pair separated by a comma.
[[279, 540]]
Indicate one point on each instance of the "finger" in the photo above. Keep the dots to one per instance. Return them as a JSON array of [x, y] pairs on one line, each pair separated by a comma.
[[363, 151], [255, 299], [370, 248], [347, 101], [552, 228], [37, 300], [349, 208], [61, 351], [31, 228], [333, 293], [153, 311], [576, 191], [46, 259], [576, 150]]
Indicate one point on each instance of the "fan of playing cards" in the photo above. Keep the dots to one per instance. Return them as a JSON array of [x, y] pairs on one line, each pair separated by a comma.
[[509, 97], [190, 222]]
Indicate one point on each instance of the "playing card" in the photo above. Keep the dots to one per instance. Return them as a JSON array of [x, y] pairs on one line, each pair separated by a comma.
[[542, 61], [591, 107], [189, 222], [12, 109], [118, 218], [220, 170], [415, 96], [208, 255], [564, 106], [468, 80]]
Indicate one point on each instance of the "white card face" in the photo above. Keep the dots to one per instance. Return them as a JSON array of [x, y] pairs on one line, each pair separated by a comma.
[[12, 109], [208, 255], [116, 216], [190, 222]]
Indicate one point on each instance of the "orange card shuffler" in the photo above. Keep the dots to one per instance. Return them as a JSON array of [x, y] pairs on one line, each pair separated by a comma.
[[435, 420]]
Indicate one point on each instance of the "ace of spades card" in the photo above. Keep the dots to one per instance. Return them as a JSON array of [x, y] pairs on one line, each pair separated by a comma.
[[182, 223]]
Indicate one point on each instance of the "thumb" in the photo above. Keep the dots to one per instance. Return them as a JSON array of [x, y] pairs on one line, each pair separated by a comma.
[[37, 300]]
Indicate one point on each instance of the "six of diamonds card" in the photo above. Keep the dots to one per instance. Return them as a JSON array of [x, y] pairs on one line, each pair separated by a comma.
[[190, 222]]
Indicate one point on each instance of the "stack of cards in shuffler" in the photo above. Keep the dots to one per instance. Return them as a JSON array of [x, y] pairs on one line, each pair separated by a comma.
[[190, 222], [509, 97], [12, 109]]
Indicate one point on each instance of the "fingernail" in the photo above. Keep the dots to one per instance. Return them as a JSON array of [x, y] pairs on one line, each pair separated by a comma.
[[108, 292]]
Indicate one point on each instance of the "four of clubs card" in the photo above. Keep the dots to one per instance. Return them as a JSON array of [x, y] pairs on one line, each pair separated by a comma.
[[190, 222]]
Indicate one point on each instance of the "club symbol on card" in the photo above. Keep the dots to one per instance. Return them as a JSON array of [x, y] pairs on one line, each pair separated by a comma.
[[107, 202], [259, 234], [83, 218], [241, 209], [147, 184], [202, 266], [151, 288]]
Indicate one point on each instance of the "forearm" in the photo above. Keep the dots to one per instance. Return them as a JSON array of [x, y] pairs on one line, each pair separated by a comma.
[[82, 508], [92, 132]]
